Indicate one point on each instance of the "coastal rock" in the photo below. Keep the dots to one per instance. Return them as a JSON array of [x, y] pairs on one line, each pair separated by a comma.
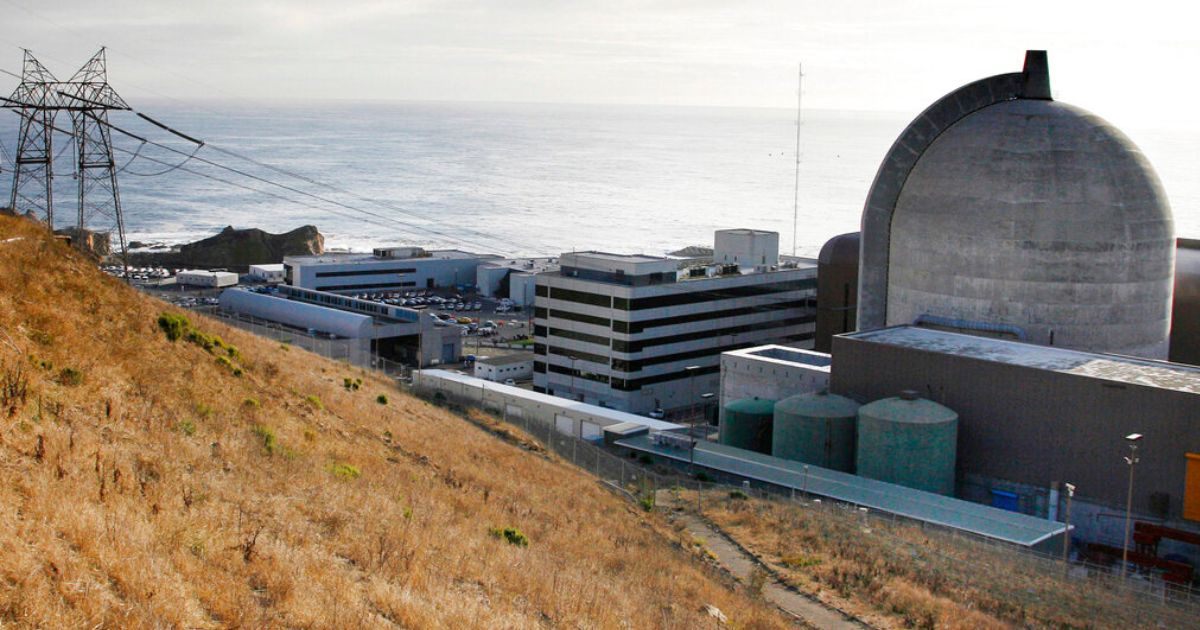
[[238, 249]]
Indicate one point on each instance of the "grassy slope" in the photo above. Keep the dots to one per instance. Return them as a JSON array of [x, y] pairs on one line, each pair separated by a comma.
[[143, 496]]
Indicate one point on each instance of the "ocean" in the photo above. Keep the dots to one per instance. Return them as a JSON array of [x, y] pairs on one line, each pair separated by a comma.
[[517, 179]]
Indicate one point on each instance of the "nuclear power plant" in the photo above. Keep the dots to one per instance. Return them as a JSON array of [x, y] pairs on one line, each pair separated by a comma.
[[1001, 211]]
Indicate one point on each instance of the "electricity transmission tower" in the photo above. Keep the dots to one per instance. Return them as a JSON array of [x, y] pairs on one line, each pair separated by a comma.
[[87, 98]]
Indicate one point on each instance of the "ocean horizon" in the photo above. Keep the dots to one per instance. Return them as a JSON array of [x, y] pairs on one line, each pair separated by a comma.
[[516, 178]]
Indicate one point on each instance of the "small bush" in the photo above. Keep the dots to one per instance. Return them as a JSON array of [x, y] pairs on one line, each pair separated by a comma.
[[382, 399], [738, 494], [70, 377], [351, 384], [270, 442], [173, 326], [187, 427], [237, 371], [224, 362], [512, 535], [250, 403], [233, 352], [314, 402], [647, 502], [204, 410], [703, 477], [343, 470], [645, 459]]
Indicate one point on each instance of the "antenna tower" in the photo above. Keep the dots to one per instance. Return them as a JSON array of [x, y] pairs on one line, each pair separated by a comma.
[[796, 194], [87, 98]]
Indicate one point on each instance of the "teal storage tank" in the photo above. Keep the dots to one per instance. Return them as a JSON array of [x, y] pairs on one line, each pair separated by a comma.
[[908, 441], [817, 429], [747, 424]]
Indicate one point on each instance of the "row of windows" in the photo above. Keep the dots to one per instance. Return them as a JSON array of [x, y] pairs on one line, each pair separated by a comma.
[[355, 287], [571, 334], [634, 328], [368, 272], [634, 365], [641, 344], [582, 356], [676, 299], [580, 374]]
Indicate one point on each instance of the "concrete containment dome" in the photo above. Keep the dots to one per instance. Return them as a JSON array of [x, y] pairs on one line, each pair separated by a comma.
[[1000, 210]]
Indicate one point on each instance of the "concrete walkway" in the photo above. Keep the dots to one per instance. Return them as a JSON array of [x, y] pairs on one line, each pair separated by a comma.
[[741, 565]]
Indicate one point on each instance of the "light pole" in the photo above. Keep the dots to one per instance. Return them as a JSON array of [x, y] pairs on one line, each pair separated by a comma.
[[706, 397], [691, 370], [1067, 532], [1132, 459], [573, 358]]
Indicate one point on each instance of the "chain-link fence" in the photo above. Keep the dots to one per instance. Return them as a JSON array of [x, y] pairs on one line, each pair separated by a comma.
[[1144, 600]]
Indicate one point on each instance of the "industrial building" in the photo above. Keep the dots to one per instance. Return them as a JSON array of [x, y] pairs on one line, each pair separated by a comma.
[[512, 278], [1031, 417], [1000, 211], [837, 289], [384, 269], [210, 279], [1185, 307], [638, 333], [516, 367], [271, 274], [773, 372], [364, 330]]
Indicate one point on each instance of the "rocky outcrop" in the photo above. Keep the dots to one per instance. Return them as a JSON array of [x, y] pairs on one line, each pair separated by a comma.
[[238, 249]]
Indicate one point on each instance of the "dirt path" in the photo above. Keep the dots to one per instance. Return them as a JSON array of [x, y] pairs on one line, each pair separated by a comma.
[[741, 565]]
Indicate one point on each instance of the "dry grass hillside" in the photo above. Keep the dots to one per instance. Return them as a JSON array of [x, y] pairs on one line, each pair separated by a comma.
[[157, 483]]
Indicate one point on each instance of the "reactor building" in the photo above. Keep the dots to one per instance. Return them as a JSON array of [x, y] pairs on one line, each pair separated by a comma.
[[1002, 212]]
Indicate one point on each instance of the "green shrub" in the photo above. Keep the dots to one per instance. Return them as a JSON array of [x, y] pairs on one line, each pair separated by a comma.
[[382, 399], [342, 470], [233, 352], [173, 326], [512, 535], [270, 442], [187, 427], [250, 403], [224, 362], [703, 477], [203, 410], [738, 494], [70, 377], [647, 502], [237, 371], [314, 401]]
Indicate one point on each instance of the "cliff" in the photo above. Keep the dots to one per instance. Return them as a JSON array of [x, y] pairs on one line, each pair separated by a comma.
[[238, 249]]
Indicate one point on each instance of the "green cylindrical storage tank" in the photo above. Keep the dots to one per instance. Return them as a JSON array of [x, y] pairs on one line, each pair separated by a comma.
[[747, 424], [908, 441], [816, 429]]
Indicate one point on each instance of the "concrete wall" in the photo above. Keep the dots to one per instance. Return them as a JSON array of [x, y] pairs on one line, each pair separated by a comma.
[[1185, 312], [501, 372], [749, 377], [837, 289], [1036, 426]]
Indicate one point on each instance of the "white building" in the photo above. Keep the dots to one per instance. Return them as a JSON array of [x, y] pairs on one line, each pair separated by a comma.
[[518, 367], [267, 273], [356, 330], [385, 269], [517, 273], [772, 372], [749, 249], [202, 278], [635, 333]]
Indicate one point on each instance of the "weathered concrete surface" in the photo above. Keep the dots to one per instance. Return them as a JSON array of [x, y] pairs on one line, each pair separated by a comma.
[[999, 205]]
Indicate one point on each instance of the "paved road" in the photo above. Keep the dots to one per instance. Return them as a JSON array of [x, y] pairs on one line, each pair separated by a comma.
[[806, 610]]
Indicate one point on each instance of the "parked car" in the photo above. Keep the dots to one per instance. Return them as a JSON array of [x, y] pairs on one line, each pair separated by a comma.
[[657, 414]]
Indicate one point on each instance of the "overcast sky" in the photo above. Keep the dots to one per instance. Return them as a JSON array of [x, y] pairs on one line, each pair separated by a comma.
[[1127, 61]]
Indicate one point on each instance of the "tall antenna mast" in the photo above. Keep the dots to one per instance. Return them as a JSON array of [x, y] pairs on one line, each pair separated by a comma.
[[796, 199]]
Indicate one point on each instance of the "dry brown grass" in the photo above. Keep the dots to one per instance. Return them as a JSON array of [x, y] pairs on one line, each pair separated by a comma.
[[902, 576], [158, 489]]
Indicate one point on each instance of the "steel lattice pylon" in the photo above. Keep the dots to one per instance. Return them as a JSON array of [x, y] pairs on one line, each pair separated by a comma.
[[88, 98]]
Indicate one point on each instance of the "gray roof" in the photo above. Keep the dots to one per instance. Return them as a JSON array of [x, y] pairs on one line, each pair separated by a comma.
[[1110, 367], [507, 359], [928, 507]]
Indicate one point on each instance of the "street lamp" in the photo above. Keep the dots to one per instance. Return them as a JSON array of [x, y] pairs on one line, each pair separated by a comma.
[[691, 370], [1132, 459], [1067, 532]]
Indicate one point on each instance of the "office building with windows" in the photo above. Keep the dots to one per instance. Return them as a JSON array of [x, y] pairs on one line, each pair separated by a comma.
[[639, 333], [384, 269]]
